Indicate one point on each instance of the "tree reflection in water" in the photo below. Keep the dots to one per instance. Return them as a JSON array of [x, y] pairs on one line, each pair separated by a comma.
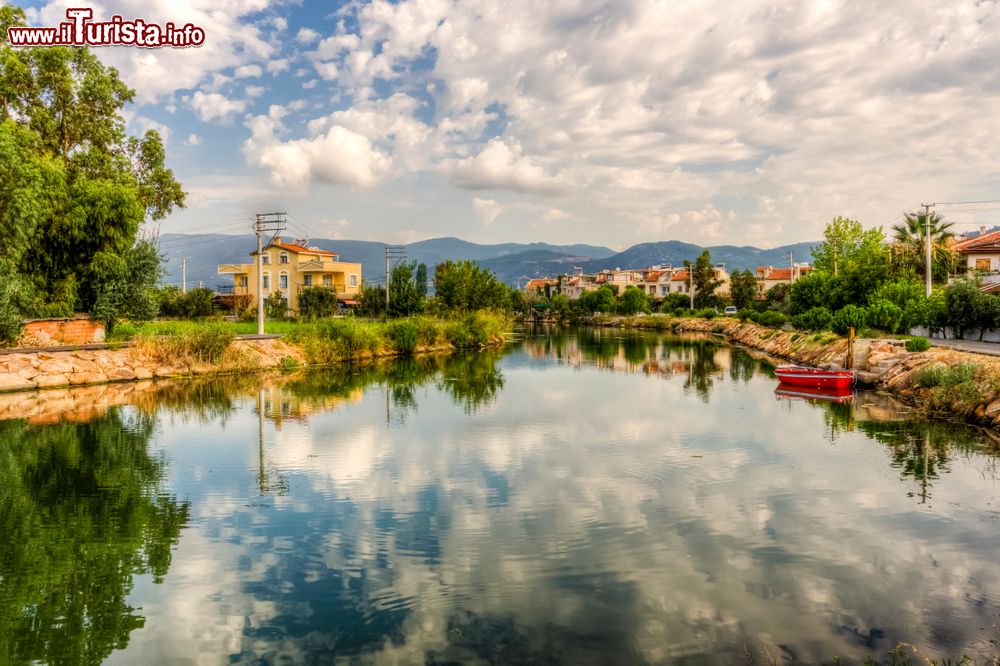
[[82, 511]]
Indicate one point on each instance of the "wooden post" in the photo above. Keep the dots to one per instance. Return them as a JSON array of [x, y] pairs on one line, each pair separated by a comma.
[[850, 348]]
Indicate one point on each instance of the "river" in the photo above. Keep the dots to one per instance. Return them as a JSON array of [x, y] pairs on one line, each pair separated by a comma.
[[579, 497]]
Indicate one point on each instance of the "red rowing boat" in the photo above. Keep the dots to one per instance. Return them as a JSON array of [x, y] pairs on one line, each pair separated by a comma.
[[799, 375], [789, 391]]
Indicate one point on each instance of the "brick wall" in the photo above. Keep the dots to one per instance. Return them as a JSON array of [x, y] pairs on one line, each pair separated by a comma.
[[66, 331]]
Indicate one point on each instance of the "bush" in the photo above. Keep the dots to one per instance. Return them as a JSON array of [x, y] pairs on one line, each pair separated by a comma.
[[317, 302], [745, 314], [815, 319], [477, 329], [197, 303], [705, 313], [939, 374], [850, 316], [204, 344], [885, 315], [275, 305], [770, 318], [917, 344], [404, 336]]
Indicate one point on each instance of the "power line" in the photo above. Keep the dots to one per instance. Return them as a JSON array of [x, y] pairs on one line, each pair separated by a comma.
[[963, 203]]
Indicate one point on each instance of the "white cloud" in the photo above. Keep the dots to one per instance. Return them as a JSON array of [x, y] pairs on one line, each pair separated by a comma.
[[555, 215], [215, 106], [306, 36], [192, 140], [310, 84], [146, 124], [253, 91], [502, 165], [488, 210], [248, 71], [278, 65], [336, 157]]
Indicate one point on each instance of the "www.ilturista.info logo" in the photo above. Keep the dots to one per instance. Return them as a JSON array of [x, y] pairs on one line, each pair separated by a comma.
[[79, 30]]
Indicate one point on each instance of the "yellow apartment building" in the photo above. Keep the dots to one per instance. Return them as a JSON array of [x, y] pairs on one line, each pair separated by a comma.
[[289, 268]]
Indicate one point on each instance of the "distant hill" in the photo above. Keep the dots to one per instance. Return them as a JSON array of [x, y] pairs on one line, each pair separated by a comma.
[[510, 261], [205, 251], [675, 252]]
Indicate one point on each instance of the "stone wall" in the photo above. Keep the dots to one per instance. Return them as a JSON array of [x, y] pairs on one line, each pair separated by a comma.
[[25, 371]]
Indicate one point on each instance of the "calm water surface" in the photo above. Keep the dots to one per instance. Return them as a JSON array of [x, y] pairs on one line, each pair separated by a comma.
[[582, 497]]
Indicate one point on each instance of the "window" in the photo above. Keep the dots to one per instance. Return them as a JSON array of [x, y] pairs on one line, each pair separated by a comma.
[[982, 264], [267, 258], [354, 280], [283, 258], [307, 280], [267, 281], [244, 281], [283, 281], [327, 280]]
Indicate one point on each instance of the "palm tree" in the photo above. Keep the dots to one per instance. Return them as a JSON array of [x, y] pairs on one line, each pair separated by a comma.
[[909, 249]]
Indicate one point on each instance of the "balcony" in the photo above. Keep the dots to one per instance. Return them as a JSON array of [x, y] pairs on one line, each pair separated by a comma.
[[234, 269]]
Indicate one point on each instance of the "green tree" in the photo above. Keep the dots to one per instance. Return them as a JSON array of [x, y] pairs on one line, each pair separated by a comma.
[[317, 302], [129, 289], [602, 299], [74, 187], [674, 301], [742, 289], [197, 303], [810, 291], [371, 300], [463, 286], [559, 305], [962, 307], [846, 241], [633, 301], [422, 281], [404, 291], [705, 281], [909, 249]]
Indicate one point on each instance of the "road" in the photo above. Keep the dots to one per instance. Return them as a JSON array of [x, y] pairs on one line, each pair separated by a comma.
[[974, 346]]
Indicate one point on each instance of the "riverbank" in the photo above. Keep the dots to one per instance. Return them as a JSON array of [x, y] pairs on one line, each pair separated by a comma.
[[941, 382], [213, 349]]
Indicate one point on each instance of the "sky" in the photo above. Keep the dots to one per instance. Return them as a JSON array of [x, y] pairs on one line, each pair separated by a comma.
[[613, 122]]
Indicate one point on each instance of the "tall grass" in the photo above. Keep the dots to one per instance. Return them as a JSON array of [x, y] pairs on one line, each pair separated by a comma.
[[206, 343]]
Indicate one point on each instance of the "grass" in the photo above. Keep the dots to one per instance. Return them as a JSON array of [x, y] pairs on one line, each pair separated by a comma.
[[206, 343]]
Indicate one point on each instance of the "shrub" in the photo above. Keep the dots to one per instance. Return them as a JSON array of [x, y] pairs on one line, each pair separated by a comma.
[[317, 302], [918, 344], [745, 314], [404, 336], [196, 303], [815, 319], [477, 329], [850, 316], [705, 313], [275, 305], [770, 318], [947, 376], [885, 315]]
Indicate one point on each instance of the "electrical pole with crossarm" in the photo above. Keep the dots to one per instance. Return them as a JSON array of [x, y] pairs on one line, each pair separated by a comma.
[[264, 222]]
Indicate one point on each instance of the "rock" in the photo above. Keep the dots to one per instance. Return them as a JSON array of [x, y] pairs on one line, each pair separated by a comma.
[[867, 378], [121, 374], [143, 373], [164, 371], [993, 409], [48, 381], [981, 411], [87, 378], [58, 366], [9, 382]]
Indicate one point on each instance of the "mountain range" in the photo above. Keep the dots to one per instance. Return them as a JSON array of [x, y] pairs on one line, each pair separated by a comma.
[[512, 262]]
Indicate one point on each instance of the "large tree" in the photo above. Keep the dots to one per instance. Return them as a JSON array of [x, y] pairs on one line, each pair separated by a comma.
[[705, 281], [846, 241], [909, 245], [74, 186], [463, 286], [743, 288]]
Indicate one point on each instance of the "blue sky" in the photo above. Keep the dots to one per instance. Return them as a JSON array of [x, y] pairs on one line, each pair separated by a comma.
[[608, 122]]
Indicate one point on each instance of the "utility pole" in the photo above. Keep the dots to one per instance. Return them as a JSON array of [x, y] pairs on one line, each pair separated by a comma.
[[396, 252], [184, 275], [927, 239], [691, 283], [264, 222], [791, 267]]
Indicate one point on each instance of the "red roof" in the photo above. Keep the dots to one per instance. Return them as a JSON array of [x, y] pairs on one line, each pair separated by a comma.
[[987, 242], [680, 276], [297, 249], [779, 273], [538, 283], [653, 276]]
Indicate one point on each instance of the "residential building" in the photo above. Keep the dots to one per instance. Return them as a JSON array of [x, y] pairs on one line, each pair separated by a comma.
[[290, 267], [769, 276], [980, 253]]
